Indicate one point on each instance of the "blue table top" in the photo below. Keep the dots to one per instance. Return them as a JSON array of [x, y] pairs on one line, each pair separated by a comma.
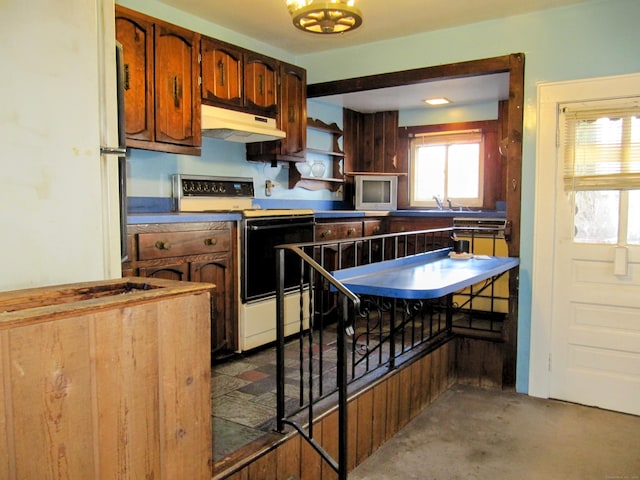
[[422, 276]]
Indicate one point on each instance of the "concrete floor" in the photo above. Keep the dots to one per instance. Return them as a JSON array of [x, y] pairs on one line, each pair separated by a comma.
[[470, 433]]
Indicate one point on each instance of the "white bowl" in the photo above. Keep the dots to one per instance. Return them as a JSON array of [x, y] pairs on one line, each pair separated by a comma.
[[304, 168]]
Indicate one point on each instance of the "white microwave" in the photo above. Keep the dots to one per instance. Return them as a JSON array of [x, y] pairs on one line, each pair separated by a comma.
[[376, 192]]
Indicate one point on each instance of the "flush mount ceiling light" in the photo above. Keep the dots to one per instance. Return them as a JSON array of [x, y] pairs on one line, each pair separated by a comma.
[[434, 102], [332, 16]]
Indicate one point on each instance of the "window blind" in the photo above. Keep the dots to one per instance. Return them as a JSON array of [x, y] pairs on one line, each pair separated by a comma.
[[601, 146]]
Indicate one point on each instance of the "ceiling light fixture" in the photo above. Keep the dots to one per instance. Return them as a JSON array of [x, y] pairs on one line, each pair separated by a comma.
[[434, 102], [329, 16]]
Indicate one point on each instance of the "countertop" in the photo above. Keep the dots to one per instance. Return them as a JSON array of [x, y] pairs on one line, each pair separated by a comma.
[[183, 217]]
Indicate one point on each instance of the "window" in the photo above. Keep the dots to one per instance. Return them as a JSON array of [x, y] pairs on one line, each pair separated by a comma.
[[448, 166], [601, 142]]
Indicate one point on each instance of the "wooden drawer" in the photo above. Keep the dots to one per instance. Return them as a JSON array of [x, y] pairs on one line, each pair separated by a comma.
[[176, 244], [338, 231], [373, 227]]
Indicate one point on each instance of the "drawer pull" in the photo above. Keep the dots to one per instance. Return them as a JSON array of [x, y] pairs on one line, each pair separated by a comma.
[[376, 229], [163, 245], [326, 233], [351, 231], [211, 241]]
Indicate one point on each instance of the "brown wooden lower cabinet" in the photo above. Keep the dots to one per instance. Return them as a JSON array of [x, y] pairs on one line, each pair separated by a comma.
[[105, 380], [375, 414], [197, 252]]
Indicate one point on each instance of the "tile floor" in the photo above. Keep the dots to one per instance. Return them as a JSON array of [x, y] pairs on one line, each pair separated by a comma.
[[244, 396], [244, 388]]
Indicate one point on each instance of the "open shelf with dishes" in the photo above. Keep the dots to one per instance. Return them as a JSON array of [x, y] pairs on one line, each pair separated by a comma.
[[323, 166]]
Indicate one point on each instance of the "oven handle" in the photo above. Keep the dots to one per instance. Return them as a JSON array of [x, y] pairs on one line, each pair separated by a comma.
[[271, 227]]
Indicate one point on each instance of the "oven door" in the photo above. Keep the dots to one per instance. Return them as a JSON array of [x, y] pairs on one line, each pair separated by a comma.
[[258, 255]]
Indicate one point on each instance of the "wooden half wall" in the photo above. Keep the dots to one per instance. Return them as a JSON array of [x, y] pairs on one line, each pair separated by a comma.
[[375, 414]]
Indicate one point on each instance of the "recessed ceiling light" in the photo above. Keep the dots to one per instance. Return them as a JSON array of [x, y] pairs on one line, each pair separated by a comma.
[[434, 102]]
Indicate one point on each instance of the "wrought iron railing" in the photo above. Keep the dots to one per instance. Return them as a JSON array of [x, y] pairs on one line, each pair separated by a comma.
[[344, 339]]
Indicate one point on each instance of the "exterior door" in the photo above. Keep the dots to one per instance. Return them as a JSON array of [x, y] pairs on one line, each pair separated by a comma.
[[595, 353], [587, 269]]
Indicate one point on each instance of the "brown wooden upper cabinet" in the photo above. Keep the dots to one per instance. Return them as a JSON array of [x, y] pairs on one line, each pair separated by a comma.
[[162, 95], [261, 84], [222, 73], [291, 117], [371, 141]]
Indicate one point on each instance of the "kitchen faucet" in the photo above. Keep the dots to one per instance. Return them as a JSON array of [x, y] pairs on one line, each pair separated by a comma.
[[438, 201]]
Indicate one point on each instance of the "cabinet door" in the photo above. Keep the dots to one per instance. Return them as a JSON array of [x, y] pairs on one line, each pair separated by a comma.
[[221, 72], [260, 83], [135, 33], [176, 84], [178, 271], [292, 116], [219, 272]]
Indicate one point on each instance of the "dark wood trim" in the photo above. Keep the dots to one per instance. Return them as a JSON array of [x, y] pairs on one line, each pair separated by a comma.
[[470, 68]]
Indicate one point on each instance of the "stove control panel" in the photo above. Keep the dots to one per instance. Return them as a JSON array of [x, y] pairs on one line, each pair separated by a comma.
[[198, 193], [203, 186]]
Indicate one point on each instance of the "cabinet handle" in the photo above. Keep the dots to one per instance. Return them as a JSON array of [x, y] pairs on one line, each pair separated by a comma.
[[292, 114], [376, 229], [221, 68], [261, 84], [326, 233], [176, 97], [211, 241], [126, 85], [163, 245], [351, 231]]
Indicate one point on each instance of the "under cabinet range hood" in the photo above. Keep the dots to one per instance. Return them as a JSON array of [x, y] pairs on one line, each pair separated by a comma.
[[238, 127]]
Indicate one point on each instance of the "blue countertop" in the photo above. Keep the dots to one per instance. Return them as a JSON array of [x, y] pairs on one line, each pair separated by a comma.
[[409, 213], [184, 217], [426, 275]]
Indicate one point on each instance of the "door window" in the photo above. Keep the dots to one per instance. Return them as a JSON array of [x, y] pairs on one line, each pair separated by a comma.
[[601, 142]]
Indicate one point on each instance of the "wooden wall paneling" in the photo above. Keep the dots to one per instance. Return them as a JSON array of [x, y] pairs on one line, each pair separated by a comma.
[[330, 444], [352, 137], [310, 461], [425, 380], [493, 185], [241, 475], [7, 466], [453, 377], [404, 400], [182, 384], [415, 389], [379, 144], [365, 425], [288, 458], [126, 352], [444, 367], [368, 149], [51, 386], [390, 146], [436, 375], [468, 371], [479, 362], [393, 395], [379, 416], [352, 434], [264, 467]]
